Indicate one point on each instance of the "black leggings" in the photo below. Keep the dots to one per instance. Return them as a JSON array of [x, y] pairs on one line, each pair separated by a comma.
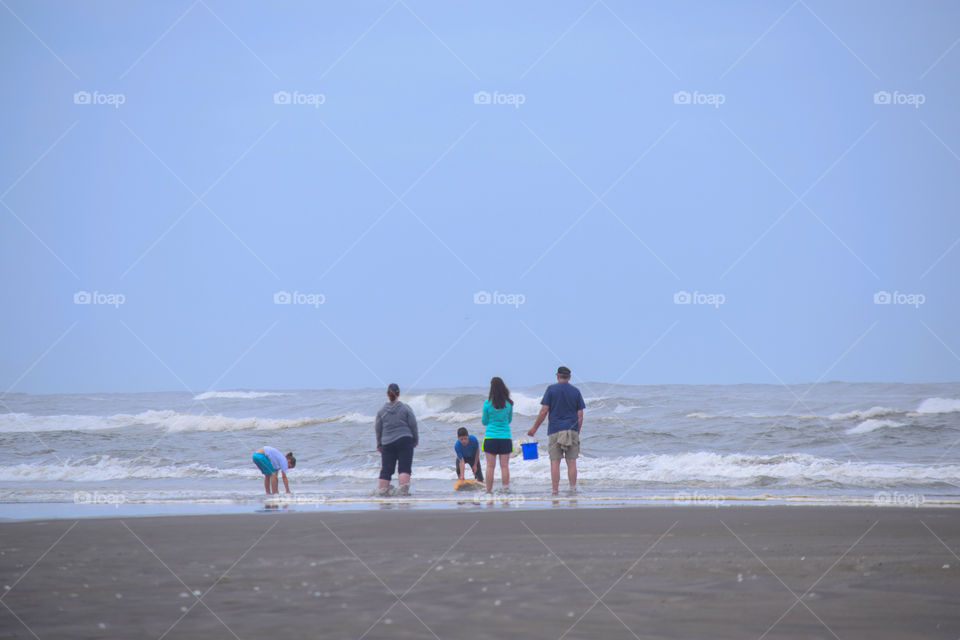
[[397, 454]]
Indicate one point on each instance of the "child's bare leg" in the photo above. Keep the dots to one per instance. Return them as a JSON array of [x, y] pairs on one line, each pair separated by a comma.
[[274, 482], [505, 470], [491, 467], [266, 483]]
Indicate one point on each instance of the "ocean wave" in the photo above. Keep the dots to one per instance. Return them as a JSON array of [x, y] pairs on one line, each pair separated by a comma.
[[745, 470], [526, 405], [357, 418], [210, 395], [759, 416], [429, 403], [683, 469], [873, 412], [873, 424], [170, 420], [626, 408], [939, 405], [26, 423], [103, 468], [455, 417], [450, 407]]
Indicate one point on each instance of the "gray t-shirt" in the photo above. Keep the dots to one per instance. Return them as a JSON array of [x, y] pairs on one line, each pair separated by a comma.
[[395, 420]]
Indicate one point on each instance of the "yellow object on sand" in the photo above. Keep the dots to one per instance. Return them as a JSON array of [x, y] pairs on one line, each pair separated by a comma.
[[467, 485]]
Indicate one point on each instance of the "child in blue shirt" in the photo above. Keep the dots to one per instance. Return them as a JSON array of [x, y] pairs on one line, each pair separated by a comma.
[[468, 450]]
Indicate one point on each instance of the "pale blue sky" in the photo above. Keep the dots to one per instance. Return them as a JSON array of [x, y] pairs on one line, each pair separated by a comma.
[[492, 197]]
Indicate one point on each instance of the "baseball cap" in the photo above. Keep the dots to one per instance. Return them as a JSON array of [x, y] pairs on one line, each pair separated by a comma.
[[393, 386], [563, 371]]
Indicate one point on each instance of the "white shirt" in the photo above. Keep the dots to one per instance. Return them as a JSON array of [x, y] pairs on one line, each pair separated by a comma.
[[277, 459]]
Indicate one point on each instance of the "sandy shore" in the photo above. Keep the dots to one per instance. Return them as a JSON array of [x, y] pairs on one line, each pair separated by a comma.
[[648, 572]]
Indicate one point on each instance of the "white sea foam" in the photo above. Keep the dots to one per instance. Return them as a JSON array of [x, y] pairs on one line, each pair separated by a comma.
[[873, 424], [170, 420], [429, 403], [357, 418], [939, 405], [25, 422], [874, 412], [525, 405], [210, 395], [625, 408], [438, 406], [728, 470], [741, 470], [103, 468], [455, 417], [759, 416]]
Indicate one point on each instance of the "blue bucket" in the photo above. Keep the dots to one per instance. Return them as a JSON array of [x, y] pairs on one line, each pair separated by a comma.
[[529, 450]]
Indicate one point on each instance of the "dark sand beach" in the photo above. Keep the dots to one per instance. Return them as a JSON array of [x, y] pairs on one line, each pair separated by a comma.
[[646, 572]]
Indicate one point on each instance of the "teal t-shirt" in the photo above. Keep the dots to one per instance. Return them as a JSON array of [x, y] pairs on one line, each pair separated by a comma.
[[497, 421]]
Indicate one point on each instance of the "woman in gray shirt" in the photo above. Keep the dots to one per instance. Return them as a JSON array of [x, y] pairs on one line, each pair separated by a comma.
[[397, 435]]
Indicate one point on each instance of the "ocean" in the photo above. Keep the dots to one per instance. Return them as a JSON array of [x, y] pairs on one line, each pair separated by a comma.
[[878, 443]]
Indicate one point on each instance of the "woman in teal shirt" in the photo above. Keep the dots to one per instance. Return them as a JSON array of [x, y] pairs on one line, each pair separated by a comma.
[[497, 441]]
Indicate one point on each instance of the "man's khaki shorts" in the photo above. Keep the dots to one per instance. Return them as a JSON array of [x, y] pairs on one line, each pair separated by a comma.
[[564, 444]]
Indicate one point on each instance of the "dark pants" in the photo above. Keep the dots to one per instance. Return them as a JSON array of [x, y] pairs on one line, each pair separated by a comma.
[[397, 454], [469, 462]]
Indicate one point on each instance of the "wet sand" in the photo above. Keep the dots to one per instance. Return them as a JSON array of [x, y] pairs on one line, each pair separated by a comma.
[[643, 572]]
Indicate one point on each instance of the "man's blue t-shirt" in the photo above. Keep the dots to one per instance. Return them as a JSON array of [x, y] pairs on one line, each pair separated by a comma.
[[468, 451], [564, 401]]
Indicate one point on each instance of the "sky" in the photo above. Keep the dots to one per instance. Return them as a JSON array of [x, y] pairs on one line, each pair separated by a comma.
[[236, 195]]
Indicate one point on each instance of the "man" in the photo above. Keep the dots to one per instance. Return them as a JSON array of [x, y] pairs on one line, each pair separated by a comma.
[[564, 404], [271, 462]]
